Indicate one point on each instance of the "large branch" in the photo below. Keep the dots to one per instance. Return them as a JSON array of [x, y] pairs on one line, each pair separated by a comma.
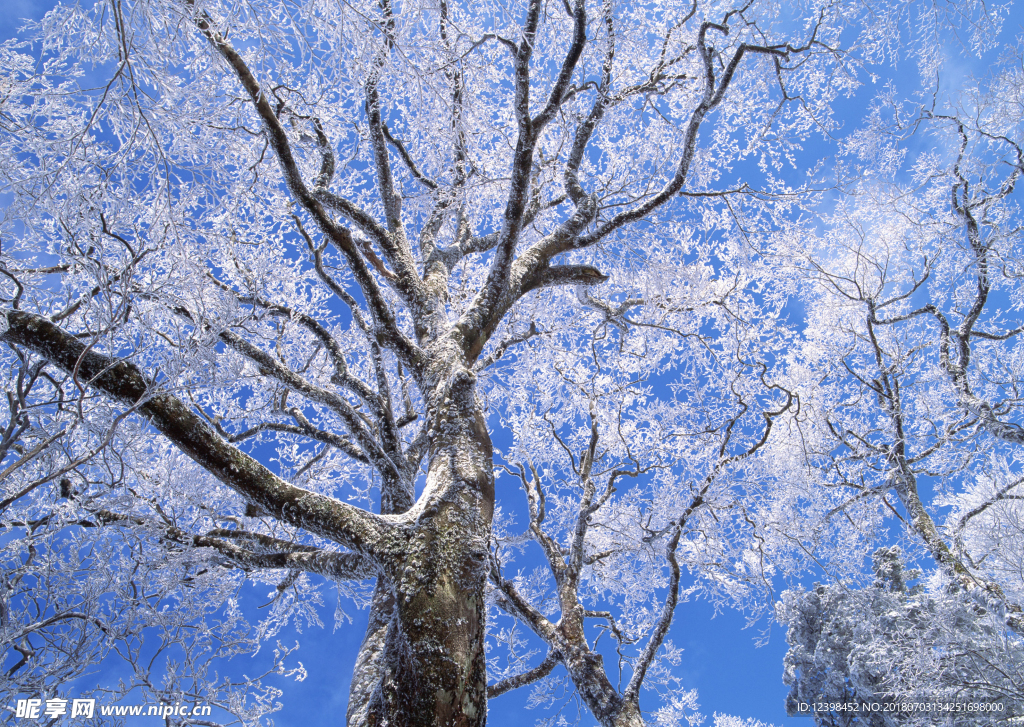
[[582, 137], [587, 506], [903, 481], [519, 183], [262, 551], [394, 245], [642, 664], [313, 201], [960, 339], [512, 602], [957, 372], [533, 268], [537, 504], [481, 313], [437, 267], [527, 677], [123, 381], [336, 566], [572, 57]]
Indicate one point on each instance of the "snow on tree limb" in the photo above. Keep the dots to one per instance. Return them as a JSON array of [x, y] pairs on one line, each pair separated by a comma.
[[122, 380]]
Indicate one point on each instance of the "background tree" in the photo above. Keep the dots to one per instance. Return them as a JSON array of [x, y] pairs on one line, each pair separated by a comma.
[[326, 251], [913, 413], [894, 643]]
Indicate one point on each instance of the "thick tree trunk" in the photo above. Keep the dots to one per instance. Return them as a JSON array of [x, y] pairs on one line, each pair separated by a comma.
[[367, 672], [422, 661], [628, 715]]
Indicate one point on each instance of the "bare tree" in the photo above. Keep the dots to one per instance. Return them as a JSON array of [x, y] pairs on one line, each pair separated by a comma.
[[322, 249]]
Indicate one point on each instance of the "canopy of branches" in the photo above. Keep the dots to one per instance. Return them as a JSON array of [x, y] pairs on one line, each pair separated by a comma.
[[518, 325]]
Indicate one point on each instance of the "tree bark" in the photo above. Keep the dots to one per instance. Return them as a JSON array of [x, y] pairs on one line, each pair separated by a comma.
[[586, 669], [422, 661]]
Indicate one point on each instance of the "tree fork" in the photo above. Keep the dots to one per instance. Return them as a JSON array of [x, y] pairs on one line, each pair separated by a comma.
[[423, 661]]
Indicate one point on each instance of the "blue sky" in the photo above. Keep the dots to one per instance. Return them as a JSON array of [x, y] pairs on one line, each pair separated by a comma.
[[721, 661]]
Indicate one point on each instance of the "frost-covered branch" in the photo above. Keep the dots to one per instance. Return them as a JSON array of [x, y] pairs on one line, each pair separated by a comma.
[[523, 679], [123, 381]]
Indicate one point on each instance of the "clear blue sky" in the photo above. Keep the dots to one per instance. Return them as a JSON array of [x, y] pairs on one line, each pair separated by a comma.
[[720, 660]]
